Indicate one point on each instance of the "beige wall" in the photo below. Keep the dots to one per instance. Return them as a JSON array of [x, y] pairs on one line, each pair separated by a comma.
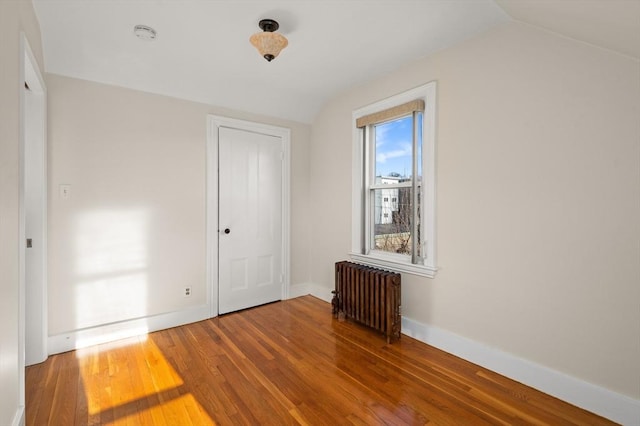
[[15, 17], [538, 186], [134, 228]]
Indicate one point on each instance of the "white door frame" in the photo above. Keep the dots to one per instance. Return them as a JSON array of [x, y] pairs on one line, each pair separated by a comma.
[[30, 74], [213, 123]]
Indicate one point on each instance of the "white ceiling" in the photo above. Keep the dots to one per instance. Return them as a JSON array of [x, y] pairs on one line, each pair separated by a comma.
[[202, 51]]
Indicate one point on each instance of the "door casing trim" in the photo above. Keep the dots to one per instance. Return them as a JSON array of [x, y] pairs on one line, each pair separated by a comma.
[[214, 122], [29, 73]]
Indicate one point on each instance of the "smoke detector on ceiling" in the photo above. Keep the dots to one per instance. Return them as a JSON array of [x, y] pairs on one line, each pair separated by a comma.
[[144, 32]]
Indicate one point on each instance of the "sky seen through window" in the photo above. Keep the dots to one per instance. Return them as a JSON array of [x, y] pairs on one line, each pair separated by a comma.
[[393, 147]]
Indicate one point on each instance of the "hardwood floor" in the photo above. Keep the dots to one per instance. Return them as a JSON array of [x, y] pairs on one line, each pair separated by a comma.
[[279, 364]]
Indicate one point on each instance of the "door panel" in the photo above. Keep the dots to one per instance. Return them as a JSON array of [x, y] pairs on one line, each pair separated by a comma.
[[250, 208]]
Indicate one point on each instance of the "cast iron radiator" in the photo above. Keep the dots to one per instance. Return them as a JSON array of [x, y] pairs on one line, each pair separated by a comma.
[[369, 296]]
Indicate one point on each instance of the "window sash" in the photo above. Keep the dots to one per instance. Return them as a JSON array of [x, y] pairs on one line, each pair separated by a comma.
[[412, 109], [393, 185], [416, 243], [400, 232]]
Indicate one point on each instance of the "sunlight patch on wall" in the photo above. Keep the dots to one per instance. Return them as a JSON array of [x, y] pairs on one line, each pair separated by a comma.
[[96, 349], [111, 267], [113, 339]]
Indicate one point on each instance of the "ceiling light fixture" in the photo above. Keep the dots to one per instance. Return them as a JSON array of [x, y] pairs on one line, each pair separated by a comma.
[[144, 33], [269, 43]]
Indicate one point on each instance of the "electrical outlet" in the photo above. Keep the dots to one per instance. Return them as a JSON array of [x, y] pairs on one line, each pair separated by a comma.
[[187, 291]]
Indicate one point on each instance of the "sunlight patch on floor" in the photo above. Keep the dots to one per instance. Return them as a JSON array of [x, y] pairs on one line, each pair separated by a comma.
[[164, 414], [132, 387]]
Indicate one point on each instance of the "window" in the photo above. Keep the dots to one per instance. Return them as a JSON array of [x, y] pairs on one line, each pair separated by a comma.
[[394, 158]]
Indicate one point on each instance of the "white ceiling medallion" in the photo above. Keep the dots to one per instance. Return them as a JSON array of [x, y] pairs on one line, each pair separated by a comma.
[[144, 32]]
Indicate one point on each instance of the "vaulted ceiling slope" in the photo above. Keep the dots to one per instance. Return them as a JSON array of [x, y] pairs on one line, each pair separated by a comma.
[[202, 51], [611, 24]]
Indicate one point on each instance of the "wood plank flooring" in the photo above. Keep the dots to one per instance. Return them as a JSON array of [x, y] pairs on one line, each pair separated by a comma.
[[286, 363]]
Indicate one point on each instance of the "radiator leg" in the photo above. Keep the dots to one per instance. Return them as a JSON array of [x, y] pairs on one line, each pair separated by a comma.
[[334, 303]]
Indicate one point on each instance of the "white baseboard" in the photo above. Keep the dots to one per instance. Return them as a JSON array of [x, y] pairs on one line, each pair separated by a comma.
[[111, 332], [321, 292], [121, 330], [18, 417], [304, 289], [614, 406], [297, 290]]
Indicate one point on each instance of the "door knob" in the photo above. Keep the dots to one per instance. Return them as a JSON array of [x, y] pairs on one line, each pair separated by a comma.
[[226, 231]]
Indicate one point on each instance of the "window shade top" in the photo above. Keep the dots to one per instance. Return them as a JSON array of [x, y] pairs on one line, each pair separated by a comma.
[[391, 113]]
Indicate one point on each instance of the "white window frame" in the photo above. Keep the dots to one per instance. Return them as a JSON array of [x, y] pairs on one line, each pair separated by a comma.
[[360, 251]]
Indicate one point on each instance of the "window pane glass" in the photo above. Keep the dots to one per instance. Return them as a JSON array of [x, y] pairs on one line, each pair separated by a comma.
[[392, 220], [393, 148]]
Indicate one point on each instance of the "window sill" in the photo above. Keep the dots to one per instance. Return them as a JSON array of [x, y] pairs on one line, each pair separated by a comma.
[[379, 262]]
